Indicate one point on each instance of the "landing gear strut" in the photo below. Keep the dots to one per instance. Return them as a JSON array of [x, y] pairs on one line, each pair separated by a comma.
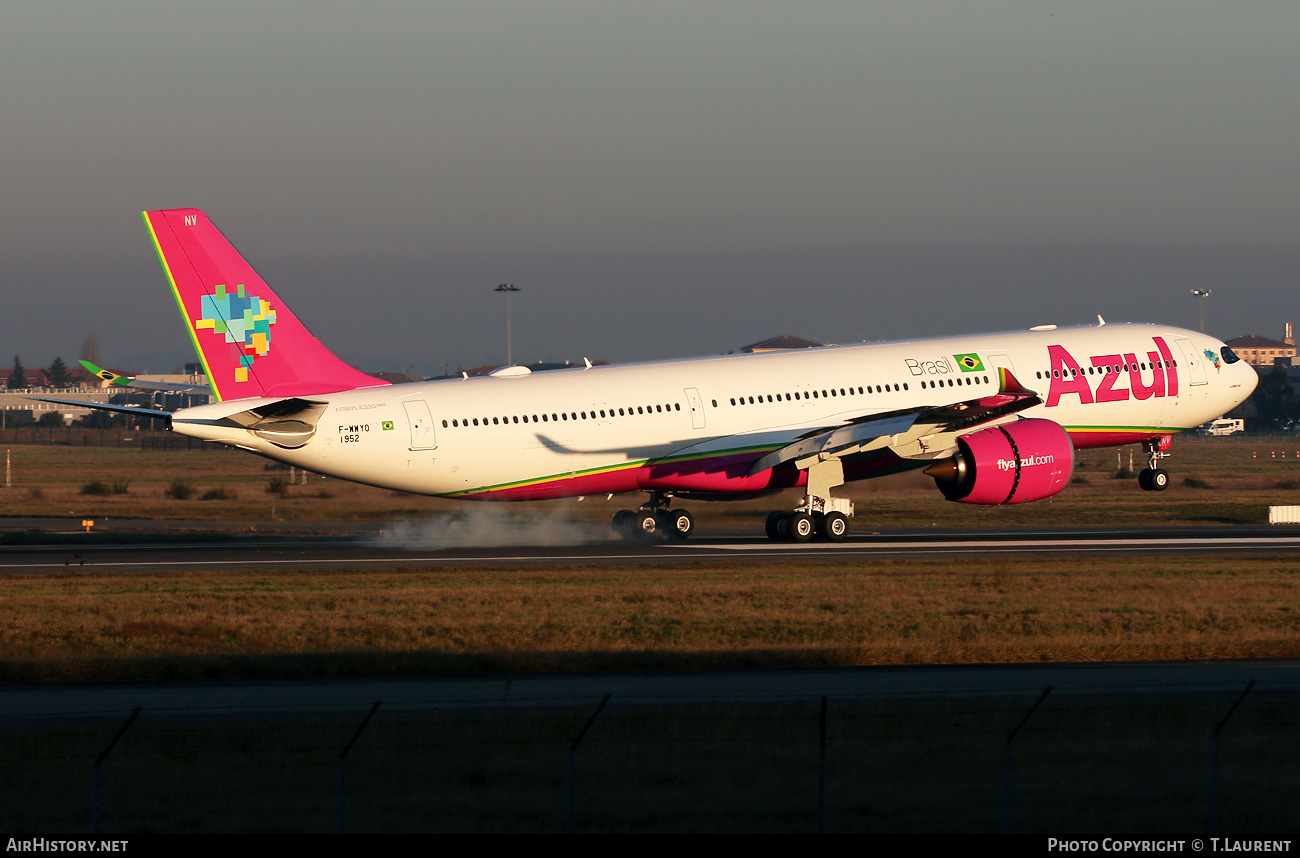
[[1153, 478], [653, 520], [818, 515]]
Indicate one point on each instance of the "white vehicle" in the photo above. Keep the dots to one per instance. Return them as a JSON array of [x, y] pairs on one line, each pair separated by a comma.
[[993, 418], [1223, 426]]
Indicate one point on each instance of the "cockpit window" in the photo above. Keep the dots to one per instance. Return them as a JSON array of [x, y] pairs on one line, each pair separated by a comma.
[[1229, 356]]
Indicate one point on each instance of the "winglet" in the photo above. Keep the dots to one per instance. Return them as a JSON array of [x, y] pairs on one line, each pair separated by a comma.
[[250, 343], [1010, 386]]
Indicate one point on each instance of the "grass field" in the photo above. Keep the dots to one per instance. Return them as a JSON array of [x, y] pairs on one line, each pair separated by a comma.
[[680, 616]]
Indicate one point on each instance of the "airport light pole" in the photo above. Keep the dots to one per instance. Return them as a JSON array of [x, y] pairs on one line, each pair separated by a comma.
[[1202, 294], [509, 289]]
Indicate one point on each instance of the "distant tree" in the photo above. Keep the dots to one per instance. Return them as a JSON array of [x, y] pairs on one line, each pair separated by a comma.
[[51, 418], [1276, 405], [57, 375], [90, 350], [102, 420], [18, 378]]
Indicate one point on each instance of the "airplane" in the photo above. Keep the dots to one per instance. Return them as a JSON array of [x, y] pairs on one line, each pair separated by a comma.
[[118, 380], [992, 418]]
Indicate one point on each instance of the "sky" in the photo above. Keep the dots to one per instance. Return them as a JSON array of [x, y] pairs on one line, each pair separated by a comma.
[[662, 179]]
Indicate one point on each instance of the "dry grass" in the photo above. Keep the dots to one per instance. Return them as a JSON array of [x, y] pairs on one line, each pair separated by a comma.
[[654, 616]]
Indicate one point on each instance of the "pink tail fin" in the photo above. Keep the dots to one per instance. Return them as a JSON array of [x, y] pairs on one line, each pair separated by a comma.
[[249, 342]]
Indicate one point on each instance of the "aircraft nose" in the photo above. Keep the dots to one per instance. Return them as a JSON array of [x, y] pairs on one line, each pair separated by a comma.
[[1250, 380]]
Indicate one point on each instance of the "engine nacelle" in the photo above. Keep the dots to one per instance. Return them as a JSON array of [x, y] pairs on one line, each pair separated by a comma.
[[1017, 462]]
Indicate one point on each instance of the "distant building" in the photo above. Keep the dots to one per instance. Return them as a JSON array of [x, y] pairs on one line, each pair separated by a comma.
[[778, 343], [1261, 351], [397, 377]]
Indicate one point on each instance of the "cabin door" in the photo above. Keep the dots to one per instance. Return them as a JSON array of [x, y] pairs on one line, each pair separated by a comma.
[[697, 407], [417, 414]]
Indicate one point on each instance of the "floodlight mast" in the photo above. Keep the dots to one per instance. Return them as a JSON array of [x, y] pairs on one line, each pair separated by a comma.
[[509, 289], [1202, 294]]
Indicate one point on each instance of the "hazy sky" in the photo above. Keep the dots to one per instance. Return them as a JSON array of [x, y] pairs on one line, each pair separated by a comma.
[[661, 178]]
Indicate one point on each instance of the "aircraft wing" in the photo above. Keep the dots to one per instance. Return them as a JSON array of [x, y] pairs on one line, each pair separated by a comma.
[[126, 381], [926, 432], [104, 406]]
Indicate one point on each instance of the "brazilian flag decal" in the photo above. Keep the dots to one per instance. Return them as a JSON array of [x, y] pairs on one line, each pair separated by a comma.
[[969, 362], [387, 424]]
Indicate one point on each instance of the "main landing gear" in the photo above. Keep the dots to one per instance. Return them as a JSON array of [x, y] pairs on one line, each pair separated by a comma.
[[804, 526], [1152, 478], [818, 516], [654, 520]]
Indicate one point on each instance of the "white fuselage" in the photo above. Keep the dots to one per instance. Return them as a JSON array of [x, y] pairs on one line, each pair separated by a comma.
[[631, 427]]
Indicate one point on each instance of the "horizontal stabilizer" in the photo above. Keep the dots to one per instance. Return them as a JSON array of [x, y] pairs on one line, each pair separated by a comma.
[[104, 406]]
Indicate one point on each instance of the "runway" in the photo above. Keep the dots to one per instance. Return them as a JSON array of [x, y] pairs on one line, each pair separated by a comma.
[[306, 552]]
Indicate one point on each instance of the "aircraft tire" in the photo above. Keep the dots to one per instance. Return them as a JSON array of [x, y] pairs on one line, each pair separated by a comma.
[[1159, 479], [619, 523], [680, 524], [645, 525], [802, 527], [835, 527], [778, 526], [1144, 480]]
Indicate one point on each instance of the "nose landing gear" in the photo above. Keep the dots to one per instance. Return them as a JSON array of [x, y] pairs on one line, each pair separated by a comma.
[[1153, 478]]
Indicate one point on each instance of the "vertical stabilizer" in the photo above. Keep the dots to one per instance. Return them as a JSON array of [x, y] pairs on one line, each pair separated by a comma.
[[249, 342]]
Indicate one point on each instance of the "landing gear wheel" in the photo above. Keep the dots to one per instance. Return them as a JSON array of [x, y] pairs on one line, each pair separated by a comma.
[[644, 525], [802, 527], [679, 524], [621, 521], [1159, 480], [778, 526], [835, 527], [1144, 479], [775, 531]]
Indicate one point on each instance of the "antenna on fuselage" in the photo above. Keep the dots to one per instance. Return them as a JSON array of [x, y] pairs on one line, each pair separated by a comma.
[[1101, 323]]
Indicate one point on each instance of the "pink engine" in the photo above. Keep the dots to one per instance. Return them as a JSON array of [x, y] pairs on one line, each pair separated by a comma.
[[1014, 463]]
